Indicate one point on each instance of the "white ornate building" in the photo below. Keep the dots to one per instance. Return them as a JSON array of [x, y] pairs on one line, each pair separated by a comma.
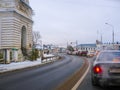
[[15, 28]]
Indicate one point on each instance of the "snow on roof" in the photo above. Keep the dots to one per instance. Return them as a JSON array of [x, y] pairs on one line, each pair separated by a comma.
[[87, 45]]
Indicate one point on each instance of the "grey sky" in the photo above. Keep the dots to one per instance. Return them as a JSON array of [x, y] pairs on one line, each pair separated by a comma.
[[62, 21]]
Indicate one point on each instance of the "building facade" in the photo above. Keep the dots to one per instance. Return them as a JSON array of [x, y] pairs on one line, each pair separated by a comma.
[[15, 28], [108, 46], [87, 47]]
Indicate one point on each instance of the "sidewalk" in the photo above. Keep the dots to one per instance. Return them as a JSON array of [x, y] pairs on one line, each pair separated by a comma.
[[20, 65]]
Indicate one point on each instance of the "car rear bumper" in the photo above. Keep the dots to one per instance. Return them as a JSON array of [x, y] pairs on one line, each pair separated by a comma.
[[109, 81]]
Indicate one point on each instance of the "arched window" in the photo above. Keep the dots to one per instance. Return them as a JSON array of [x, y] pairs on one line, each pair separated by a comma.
[[23, 40]]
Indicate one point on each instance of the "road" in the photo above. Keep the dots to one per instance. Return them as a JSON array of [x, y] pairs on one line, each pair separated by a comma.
[[87, 85], [46, 77]]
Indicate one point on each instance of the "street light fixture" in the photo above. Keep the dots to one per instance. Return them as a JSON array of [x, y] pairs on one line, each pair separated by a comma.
[[112, 32]]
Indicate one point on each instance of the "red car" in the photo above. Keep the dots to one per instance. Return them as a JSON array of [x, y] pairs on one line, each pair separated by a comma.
[[83, 53]]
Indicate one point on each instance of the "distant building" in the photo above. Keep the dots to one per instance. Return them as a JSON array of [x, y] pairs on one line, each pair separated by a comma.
[[50, 48], [107, 46], [38, 46], [86, 47], [62, 50]]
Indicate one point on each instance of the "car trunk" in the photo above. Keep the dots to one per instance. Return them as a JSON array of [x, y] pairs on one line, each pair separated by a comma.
[[111, 69]]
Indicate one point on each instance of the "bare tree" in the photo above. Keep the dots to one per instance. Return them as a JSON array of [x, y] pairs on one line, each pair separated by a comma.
[[70, 48], [36, 37]]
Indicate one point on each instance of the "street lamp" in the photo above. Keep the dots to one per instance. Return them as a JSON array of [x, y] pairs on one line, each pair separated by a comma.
[[112, 31], [100, 36]]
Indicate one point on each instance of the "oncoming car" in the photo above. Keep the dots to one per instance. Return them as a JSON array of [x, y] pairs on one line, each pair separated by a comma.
[[106, 69]]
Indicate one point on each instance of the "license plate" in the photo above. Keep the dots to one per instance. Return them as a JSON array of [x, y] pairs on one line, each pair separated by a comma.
[[114, 71]]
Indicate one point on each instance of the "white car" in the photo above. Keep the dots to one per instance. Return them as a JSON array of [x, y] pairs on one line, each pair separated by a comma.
[[106, 68], [90, 54]]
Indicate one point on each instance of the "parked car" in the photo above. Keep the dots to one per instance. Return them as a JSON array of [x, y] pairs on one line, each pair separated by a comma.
[[74, 52], [106, 68]]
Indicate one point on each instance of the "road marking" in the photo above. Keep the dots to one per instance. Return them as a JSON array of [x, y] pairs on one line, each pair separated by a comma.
[[81, 79]]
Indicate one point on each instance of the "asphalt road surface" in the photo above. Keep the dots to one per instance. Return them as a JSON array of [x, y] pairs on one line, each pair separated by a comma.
[[87, 85], [46, 77]]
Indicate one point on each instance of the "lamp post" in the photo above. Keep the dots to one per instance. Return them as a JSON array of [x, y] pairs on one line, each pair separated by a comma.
[[100, 36], [112, 32]]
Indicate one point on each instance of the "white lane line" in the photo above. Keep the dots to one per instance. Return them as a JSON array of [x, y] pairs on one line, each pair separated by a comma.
[[81, 79]]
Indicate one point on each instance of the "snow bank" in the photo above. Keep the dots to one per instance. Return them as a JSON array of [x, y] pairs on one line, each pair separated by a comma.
[[20, 65]]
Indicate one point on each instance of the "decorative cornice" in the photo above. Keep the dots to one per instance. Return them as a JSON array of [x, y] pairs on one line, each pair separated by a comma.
[[14, 11], [25, 4]]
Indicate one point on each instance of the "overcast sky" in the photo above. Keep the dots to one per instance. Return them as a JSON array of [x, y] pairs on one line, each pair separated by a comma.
[[62, 21]]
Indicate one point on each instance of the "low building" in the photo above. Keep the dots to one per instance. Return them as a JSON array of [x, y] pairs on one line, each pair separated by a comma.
[[105, 46], [49, 48], [86, 47]]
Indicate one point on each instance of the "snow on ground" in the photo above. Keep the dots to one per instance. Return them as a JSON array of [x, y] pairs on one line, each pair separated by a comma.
[[20, 65], [48, 55]]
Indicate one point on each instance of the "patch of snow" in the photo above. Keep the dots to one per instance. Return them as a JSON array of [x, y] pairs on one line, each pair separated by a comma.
[[48, 55], [20, 65]]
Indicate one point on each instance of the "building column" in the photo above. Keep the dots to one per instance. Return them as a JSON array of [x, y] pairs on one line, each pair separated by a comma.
[[15, 55], [6, 56]]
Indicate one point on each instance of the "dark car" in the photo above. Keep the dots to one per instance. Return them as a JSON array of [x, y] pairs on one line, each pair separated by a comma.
[[106, 68]]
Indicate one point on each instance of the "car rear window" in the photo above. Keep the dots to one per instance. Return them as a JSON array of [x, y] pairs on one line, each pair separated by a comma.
[[109, 56]]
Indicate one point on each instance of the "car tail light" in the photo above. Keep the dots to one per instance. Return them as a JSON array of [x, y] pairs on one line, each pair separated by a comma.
[[97, 69]]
